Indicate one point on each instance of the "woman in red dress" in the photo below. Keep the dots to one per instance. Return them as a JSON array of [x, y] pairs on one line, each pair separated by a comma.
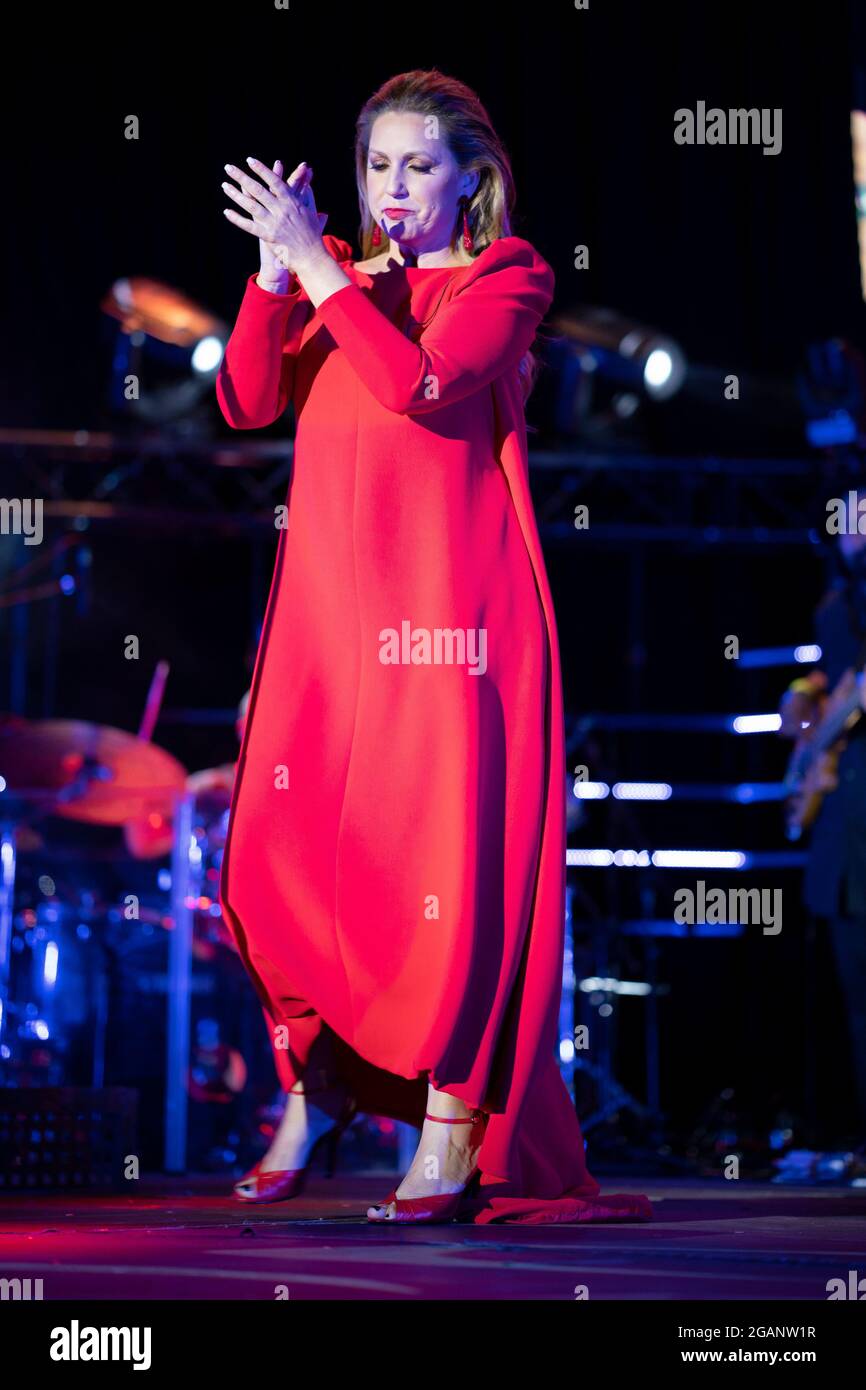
[[394, 871]]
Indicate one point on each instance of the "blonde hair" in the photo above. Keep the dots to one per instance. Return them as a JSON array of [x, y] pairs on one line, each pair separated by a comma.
[[465, 127]]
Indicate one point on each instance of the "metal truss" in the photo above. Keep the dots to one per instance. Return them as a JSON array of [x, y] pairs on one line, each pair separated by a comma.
[[696, 501], [165, 479]]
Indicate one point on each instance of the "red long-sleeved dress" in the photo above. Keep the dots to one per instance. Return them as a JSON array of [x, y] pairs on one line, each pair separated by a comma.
[[396, 853]]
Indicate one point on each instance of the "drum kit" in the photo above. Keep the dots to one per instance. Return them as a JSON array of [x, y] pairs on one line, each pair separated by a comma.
[[69, 949]]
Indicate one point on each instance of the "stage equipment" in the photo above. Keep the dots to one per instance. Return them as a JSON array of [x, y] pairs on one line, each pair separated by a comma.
[[598, 345], [167, 350]]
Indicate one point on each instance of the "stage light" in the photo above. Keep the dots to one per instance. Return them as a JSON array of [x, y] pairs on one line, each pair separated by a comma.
[[745, 792], [613, 346], [49, 966], [756, 723], [606, 984], [207, 355], [642, 791], [160, 312], [658, 370], [591, 791], [756, 658], [672, 859], [698, 859], [167, 352]]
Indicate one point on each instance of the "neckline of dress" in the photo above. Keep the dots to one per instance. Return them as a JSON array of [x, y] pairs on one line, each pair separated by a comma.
[[437, 267], [416, 269], [412, 269]]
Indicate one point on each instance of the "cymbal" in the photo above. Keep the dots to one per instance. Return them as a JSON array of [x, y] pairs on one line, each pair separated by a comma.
[[88, 772]]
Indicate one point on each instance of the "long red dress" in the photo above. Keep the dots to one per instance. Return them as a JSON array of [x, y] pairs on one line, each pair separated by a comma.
[[395, 861]]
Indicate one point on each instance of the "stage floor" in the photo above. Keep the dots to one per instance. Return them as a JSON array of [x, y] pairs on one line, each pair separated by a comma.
[[186, 1238]]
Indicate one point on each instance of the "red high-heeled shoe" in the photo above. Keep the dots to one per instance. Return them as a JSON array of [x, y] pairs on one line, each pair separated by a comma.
[[443, 1207], [280, 1184]]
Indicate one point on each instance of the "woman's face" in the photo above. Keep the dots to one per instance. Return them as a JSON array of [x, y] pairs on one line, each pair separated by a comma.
[[414, 186]]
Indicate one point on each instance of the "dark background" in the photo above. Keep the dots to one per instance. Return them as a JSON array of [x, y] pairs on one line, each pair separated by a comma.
[[744, 258]]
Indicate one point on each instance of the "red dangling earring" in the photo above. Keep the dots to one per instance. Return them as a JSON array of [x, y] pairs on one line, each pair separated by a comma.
[[468, 243], [377, 235]]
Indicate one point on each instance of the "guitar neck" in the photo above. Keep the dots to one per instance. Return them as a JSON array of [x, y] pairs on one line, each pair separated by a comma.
[[834, 725]]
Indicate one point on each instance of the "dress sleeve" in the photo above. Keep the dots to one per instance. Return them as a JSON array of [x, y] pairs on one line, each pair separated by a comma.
[[256, 376], [485, 329]]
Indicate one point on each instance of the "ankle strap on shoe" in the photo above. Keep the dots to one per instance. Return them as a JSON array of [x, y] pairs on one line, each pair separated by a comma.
[[443, 1119]]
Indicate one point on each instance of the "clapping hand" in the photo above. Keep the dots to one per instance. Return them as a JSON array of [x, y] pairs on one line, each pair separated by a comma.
[[282, 214]]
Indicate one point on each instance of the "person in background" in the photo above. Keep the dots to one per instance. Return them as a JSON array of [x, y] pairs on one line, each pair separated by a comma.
[[834, 886]]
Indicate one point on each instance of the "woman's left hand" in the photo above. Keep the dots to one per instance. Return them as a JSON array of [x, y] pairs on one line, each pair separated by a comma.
[[278, 215]]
